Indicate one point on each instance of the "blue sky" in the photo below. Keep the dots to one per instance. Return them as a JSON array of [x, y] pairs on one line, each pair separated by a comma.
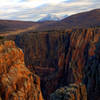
[[33, 10]]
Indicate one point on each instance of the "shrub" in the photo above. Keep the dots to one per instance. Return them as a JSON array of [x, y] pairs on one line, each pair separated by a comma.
[[1, 37]]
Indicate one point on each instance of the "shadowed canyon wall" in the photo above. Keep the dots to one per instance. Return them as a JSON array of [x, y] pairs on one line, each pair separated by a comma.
[[63, 57], [71, 92]]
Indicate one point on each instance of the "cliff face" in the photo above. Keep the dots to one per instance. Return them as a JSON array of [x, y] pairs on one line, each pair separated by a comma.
[[43, 51], [83, 61], [43, 48], [16, 81], [64, 57]]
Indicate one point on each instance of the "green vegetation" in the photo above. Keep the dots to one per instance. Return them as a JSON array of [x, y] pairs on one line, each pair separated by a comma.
[[1, 37]]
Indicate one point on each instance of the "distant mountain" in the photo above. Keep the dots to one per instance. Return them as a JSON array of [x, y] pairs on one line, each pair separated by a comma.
[[80, 20], [49, 17], [52, 22]]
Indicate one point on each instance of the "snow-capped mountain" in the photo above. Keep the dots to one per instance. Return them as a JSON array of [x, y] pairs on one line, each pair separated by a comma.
[[51, 17]]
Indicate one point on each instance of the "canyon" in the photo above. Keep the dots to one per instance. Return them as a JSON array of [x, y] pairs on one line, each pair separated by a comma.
[[52, 63], [61, 58]]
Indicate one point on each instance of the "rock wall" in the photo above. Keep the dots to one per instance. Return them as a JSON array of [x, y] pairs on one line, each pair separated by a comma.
[[83, 61], [16, 81]]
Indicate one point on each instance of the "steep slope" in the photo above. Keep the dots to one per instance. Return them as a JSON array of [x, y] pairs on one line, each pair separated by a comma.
[[16, 81]]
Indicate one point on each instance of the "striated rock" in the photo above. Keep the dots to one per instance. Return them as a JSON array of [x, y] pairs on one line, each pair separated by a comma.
[[16, 81], [92, 74], [84, 62], [72, 92]]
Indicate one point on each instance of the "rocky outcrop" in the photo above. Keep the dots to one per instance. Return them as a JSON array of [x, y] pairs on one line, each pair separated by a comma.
[[72, 92], [16, 81]]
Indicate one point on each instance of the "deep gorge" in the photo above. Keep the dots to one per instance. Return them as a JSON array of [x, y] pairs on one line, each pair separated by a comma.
[[63, 57]]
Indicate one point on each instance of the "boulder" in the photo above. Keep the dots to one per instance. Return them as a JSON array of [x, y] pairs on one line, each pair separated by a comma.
[[71, 92]]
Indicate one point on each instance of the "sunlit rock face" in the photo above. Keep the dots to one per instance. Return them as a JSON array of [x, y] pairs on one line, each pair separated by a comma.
[[63, 57], [16, 81]]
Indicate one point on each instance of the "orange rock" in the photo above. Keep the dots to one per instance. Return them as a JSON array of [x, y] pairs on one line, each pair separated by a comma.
[[16, 81]]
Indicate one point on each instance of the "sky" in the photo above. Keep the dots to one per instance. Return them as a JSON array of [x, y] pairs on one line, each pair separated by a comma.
[[34, 10]]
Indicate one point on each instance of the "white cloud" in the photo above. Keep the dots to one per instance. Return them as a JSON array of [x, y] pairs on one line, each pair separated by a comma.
[[35, 9]]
